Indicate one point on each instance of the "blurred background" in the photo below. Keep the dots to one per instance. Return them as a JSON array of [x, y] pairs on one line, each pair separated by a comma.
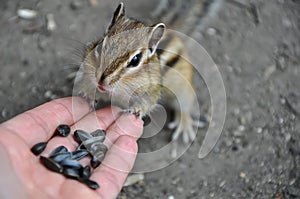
[[256, 46]]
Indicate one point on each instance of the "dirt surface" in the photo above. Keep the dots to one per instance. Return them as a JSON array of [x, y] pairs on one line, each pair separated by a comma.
[[258, 154]]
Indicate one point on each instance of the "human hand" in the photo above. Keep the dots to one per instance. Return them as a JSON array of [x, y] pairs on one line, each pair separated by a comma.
[[23, 176]]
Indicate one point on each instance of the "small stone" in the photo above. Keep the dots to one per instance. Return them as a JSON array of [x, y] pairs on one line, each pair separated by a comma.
[[133, 179], [222, 183], [259, 130], [171, 197], [242, 175], [4, 113], [48, 94], [211, 31], [51, 25], [27, 13], [75, 4]]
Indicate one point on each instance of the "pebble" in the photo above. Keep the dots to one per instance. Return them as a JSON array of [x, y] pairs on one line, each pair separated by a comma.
[[27, 13], [133, 179], [211, 31], [75, 4], [242, 175], [51, 25], [171, 197]]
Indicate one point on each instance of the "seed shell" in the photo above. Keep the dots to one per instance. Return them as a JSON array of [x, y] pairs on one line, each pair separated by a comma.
[[60, 149], [51, 165], [71, 173], [95, 162], [80, 136], [59, 157], [67, 163], [92, 184], [79, 154], [63, 130], [39, 148], [147, 120], [86, 173]]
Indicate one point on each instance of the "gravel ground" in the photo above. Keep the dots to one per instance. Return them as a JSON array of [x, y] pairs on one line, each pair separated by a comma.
[[258, 154]]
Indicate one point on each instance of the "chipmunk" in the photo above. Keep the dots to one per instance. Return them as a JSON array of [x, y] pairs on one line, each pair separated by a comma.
[[141, 64]]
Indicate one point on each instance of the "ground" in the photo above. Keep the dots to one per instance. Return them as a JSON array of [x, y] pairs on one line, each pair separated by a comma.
[[258, 154]]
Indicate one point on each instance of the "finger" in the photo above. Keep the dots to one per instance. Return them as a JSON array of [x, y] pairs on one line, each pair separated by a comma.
[[99, 119], [38, 124], [126, 124], [118, 162]]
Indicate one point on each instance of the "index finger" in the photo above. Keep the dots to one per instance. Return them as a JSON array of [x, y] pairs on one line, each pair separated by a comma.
[[38, 124]]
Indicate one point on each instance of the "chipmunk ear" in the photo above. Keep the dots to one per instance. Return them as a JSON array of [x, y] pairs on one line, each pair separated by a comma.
[[118, 14], [157, 32]]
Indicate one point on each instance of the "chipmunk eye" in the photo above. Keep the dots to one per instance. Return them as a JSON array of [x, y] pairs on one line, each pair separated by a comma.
[[135, 60]]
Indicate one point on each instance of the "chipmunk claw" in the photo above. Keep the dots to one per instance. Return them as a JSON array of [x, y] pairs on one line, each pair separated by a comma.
[[185, 128]]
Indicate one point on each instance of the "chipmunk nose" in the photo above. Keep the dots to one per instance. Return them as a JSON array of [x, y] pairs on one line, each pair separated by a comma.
[[101, 79]]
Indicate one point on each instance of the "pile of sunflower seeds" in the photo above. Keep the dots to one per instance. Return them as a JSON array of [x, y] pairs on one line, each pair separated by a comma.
[[67, 162]]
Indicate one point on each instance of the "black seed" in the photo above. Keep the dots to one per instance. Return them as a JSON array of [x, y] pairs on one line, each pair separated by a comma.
[[92, 184], [81, 136], [79, 154], [81, 147], [146, 119], [95, 162], [38, 148], [60, 149], [51, 165], [67, 163], [71, 173], [99, 133], [98, 146], [61, 156], [86, 173], [63, 130]]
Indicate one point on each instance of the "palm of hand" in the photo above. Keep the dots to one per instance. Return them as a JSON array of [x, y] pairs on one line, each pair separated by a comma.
[[23, 176]]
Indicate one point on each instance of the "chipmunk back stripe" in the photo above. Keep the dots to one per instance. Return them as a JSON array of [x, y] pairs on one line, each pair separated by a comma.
[[173, 60]]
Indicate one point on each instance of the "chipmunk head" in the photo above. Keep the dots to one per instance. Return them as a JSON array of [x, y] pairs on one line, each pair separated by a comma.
[[122, 57]]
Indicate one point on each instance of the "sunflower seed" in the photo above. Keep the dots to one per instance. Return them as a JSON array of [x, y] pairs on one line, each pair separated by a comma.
[[63, 130], [59, 157], [71, 173], [147, 120], [79, 154], [95, 162], [92, 184], [81, 136], [39, 148], [60, 149], [67, 163], [51, 165], [100, 134], [98, 146], [86, 173]]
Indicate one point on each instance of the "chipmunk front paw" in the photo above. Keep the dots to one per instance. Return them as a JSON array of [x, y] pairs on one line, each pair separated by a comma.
[[185, 128]]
